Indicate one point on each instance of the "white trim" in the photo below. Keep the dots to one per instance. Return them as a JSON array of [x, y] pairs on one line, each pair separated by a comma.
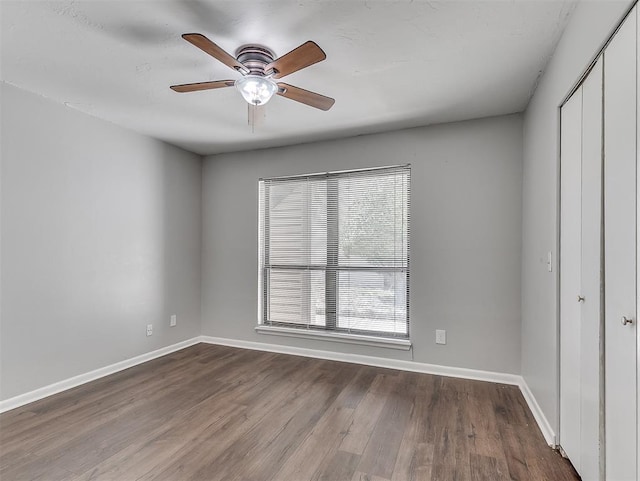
[[402, 344], [538, 414], [75, 381], [459, 372], [393, 168]]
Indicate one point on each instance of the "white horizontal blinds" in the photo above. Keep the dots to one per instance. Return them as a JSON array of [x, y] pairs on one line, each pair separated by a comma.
[[373, 251], [298, 222], [334, 251], [373, 301], [373, 219], [297, 246]]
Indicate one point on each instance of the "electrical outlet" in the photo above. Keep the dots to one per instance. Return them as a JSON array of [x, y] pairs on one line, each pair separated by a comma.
[[173, 321], [441, 336], [149, 329]]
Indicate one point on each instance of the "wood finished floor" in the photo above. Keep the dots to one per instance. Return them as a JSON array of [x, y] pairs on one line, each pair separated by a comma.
[[220, 413]]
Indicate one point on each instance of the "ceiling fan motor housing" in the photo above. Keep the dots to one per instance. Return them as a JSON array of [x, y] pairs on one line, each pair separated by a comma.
[[255, 58]]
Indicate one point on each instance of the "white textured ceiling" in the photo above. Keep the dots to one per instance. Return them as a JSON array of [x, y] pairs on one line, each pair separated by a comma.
[[390, 64]]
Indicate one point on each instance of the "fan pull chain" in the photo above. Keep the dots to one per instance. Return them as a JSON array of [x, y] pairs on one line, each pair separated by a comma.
[[256, 115], [251, 117]]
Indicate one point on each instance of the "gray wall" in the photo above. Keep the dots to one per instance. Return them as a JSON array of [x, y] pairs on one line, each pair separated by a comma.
[[590, 25], [465, 237], [101, 232]]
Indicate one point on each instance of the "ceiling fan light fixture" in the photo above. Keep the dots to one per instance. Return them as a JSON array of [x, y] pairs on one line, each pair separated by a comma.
[[255, 89]]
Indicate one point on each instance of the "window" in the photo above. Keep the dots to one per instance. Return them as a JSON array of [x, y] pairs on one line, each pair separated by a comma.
[[334, 252]]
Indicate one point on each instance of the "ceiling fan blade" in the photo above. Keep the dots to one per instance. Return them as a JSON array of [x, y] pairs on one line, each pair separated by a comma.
[[306, 54], [202, 86], [206, 45], [305, 96]]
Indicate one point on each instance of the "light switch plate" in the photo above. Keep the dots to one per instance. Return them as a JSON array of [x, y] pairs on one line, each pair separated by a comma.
[[441, 336]]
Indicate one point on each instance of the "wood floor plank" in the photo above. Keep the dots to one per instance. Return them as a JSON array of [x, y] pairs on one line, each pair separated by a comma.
[[484, 434], [340, 466], [361, 384], [451, 431], [415, 456], [322, 441], [360, 476], [365, 418], [379, 456], [215, 412], [279, 448], [486, 467]]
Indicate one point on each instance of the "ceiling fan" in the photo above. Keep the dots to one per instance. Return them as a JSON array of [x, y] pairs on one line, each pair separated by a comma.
[[259, 68]]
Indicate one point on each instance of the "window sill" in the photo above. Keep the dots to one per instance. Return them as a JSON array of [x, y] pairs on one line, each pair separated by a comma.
[[402, 344]]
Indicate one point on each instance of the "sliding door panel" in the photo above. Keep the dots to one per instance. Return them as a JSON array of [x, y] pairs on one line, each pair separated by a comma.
[[570, 255], [591, 277], [620, 253]]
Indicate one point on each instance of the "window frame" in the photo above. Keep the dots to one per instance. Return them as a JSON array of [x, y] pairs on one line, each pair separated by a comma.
[[330, 330]]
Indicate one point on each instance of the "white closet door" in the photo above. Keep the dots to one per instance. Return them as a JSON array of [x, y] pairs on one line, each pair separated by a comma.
[[570, 259], [580, 275], [591, 275], [637, 12], [620, 253]]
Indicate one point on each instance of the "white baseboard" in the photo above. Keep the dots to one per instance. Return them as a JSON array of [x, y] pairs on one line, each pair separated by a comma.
[[541, 419], [459, 372], [75, 381]]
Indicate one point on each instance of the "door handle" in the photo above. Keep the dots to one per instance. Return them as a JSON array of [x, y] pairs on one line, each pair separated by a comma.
[[626, 320]]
